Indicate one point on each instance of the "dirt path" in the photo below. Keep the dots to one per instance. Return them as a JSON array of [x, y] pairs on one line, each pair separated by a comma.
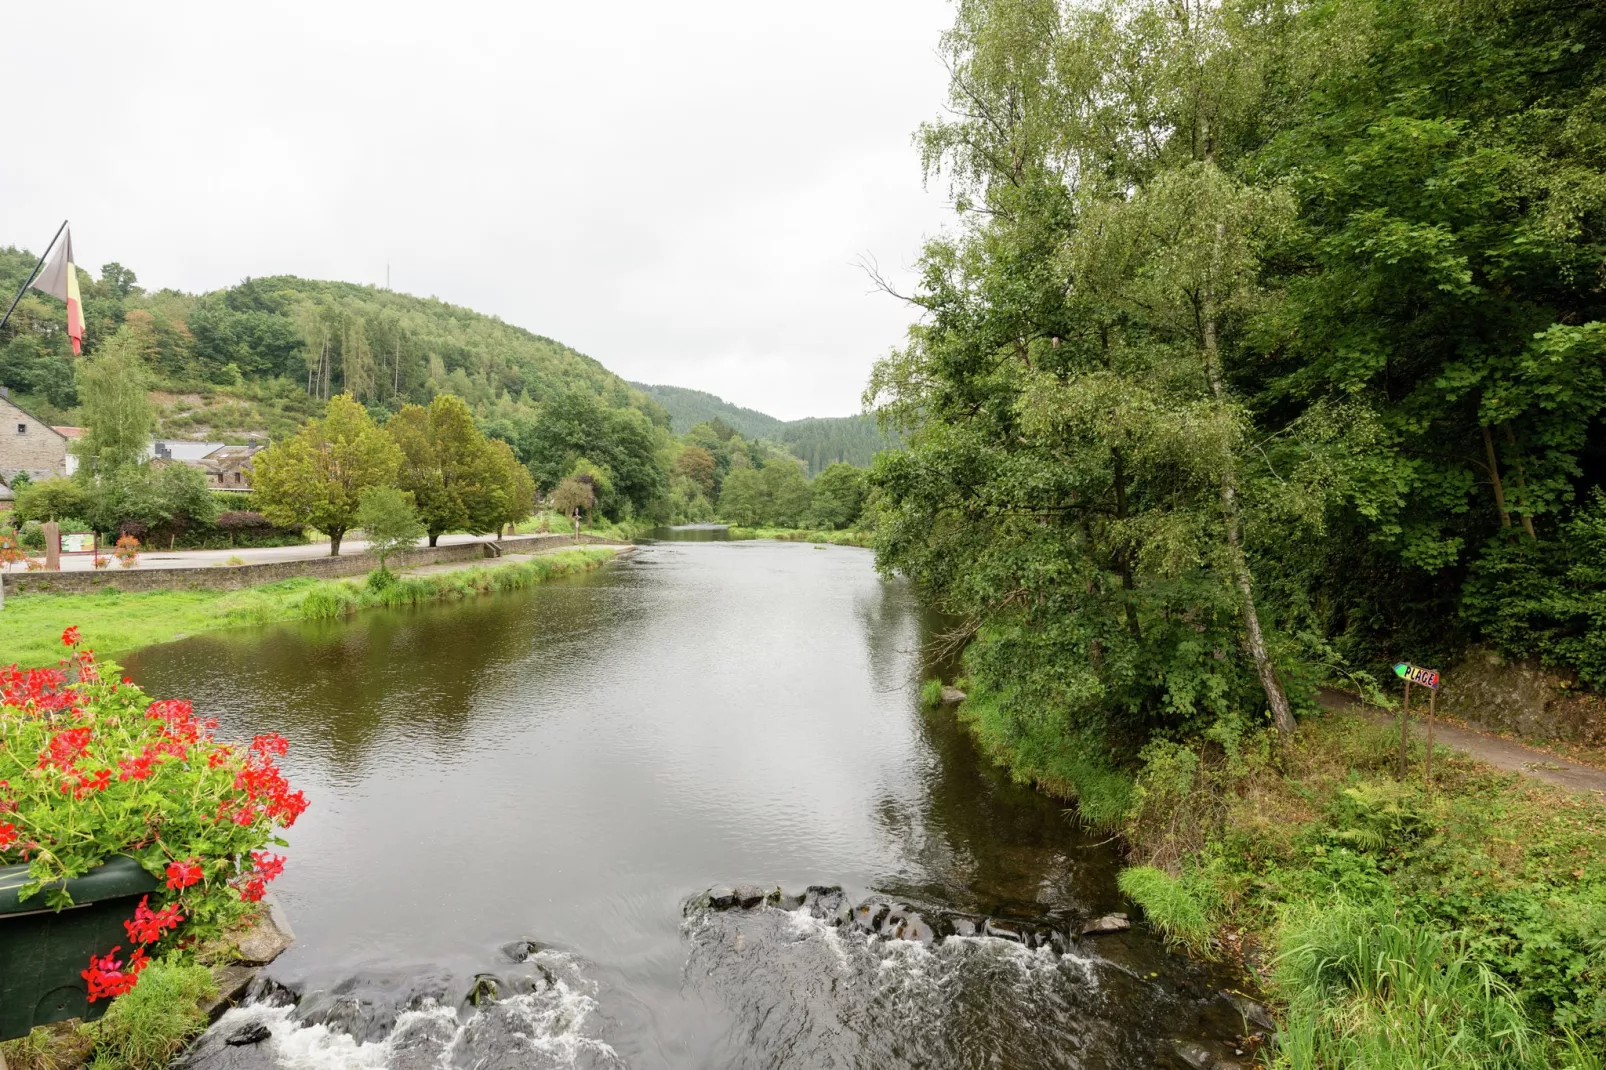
[[1500, 753]]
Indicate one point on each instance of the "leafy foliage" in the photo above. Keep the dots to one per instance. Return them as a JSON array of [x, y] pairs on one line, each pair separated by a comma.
[[317, 477], [388, 521]]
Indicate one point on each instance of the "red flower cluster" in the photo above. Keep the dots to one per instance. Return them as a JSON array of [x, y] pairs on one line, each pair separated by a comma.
[[109, 977], [183, 874], [69, 734], [268, 866], [149, 925], [267, 791]]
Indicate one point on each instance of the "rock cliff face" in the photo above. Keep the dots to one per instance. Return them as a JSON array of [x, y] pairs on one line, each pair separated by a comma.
[[1491, 692]]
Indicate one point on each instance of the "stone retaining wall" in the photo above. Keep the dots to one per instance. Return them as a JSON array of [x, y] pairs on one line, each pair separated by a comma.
[[1493, 693], [234, 577]]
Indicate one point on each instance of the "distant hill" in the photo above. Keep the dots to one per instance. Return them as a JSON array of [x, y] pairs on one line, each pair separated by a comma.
[[262, 356], [818, 440], [687, 408]]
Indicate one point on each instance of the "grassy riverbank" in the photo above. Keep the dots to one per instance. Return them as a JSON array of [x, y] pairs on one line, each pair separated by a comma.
[[114, 623], [1394, 925], [835, 538]]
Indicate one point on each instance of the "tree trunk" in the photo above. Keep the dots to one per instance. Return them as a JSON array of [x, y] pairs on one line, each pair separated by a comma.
[[334, 542], [433, 536], [1494, 479], [1281, 715], [1124, 558], [1522, 485]]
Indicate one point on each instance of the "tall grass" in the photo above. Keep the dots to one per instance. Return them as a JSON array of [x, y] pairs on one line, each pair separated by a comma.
[[1041, 752], [1170, 905], [1367, 990], [144, 1028]]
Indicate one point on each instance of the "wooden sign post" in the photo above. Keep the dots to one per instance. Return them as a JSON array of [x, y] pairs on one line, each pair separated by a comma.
[[1428, 678]]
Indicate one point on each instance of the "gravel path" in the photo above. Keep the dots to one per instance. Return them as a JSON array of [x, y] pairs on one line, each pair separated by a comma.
[[1500, 753]]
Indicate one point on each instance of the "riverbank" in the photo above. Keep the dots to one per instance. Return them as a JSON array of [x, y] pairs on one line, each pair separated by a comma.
[[114, 623], [1393, 922], [834, 538]]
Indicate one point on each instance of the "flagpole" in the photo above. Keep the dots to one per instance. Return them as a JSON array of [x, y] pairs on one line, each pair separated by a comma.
[[32, 274]]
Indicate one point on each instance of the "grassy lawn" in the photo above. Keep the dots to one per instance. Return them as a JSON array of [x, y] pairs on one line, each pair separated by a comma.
[[114, 623]]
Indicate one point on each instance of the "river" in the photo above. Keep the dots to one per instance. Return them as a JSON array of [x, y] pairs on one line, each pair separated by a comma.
[[529, 794]]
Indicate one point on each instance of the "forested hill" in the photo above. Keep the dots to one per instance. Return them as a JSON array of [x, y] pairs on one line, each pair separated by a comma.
[[687, 408], [262, 355], [819, 441]]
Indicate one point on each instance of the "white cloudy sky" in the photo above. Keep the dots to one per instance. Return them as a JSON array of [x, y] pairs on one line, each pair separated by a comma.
[[681, 190]]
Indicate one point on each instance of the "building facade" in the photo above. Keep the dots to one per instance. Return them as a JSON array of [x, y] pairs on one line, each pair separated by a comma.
[[28, 444]]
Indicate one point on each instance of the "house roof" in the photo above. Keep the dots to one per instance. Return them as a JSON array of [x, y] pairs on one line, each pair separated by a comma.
[[69, 432], [182, 449], [6, 400]]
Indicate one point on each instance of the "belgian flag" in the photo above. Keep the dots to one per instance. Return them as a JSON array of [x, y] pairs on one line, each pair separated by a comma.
[[59, 279]]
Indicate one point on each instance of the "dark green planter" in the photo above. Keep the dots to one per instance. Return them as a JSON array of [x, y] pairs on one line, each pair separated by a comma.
[[44, 952]]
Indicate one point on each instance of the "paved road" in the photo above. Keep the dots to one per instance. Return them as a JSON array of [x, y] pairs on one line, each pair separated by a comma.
[[1500, 753], [250, 555]]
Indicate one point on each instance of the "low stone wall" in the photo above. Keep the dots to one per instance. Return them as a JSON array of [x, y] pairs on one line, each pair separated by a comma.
[[1493, 693], [234, 577]]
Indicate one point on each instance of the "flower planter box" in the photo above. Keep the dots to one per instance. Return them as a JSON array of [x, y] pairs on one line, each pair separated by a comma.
[[43, 952]]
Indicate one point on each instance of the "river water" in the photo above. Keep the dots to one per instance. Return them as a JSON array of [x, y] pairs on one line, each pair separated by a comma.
[[519, 803]]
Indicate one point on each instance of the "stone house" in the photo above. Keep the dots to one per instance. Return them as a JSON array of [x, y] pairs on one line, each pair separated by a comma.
[[225, 467], [28, 444]]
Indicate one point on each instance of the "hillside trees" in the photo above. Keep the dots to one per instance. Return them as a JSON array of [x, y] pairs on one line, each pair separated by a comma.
[[573, 425], [317, 477]]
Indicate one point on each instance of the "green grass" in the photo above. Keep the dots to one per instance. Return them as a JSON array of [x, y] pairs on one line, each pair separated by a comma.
[[1038, 751], [114, 623], [835, 538], [1169, 904], [931, 694], [145, 1028]]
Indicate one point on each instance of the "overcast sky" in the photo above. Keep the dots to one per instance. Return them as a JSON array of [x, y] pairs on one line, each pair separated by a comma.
[[680, 190]]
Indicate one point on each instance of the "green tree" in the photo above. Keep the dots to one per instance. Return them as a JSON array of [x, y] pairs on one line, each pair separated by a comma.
[[837, 496], [388, 522], [317, 476], [49, 499], [117, 411], [698, 465], [512, 496], [744, 500], [574, 493], [786, 492], [448, 467]]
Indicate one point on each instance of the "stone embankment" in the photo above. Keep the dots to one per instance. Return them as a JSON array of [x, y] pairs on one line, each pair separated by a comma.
[[234, 577]]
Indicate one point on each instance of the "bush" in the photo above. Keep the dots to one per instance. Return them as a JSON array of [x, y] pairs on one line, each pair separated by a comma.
[[145, 1028], [92, 768]]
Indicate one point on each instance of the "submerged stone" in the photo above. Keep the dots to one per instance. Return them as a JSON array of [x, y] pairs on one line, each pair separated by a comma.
[[1109, 923]]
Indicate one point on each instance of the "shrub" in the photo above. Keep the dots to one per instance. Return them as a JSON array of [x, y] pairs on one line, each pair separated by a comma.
[[146, 1027], [92, 768], [127, 551]]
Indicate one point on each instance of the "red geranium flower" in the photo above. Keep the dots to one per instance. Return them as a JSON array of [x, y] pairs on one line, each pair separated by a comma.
[[70, 636], [8, 834], [148, 925], [183, 874]]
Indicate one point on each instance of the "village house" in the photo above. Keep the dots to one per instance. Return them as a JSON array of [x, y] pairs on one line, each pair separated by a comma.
[[28, 444]]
